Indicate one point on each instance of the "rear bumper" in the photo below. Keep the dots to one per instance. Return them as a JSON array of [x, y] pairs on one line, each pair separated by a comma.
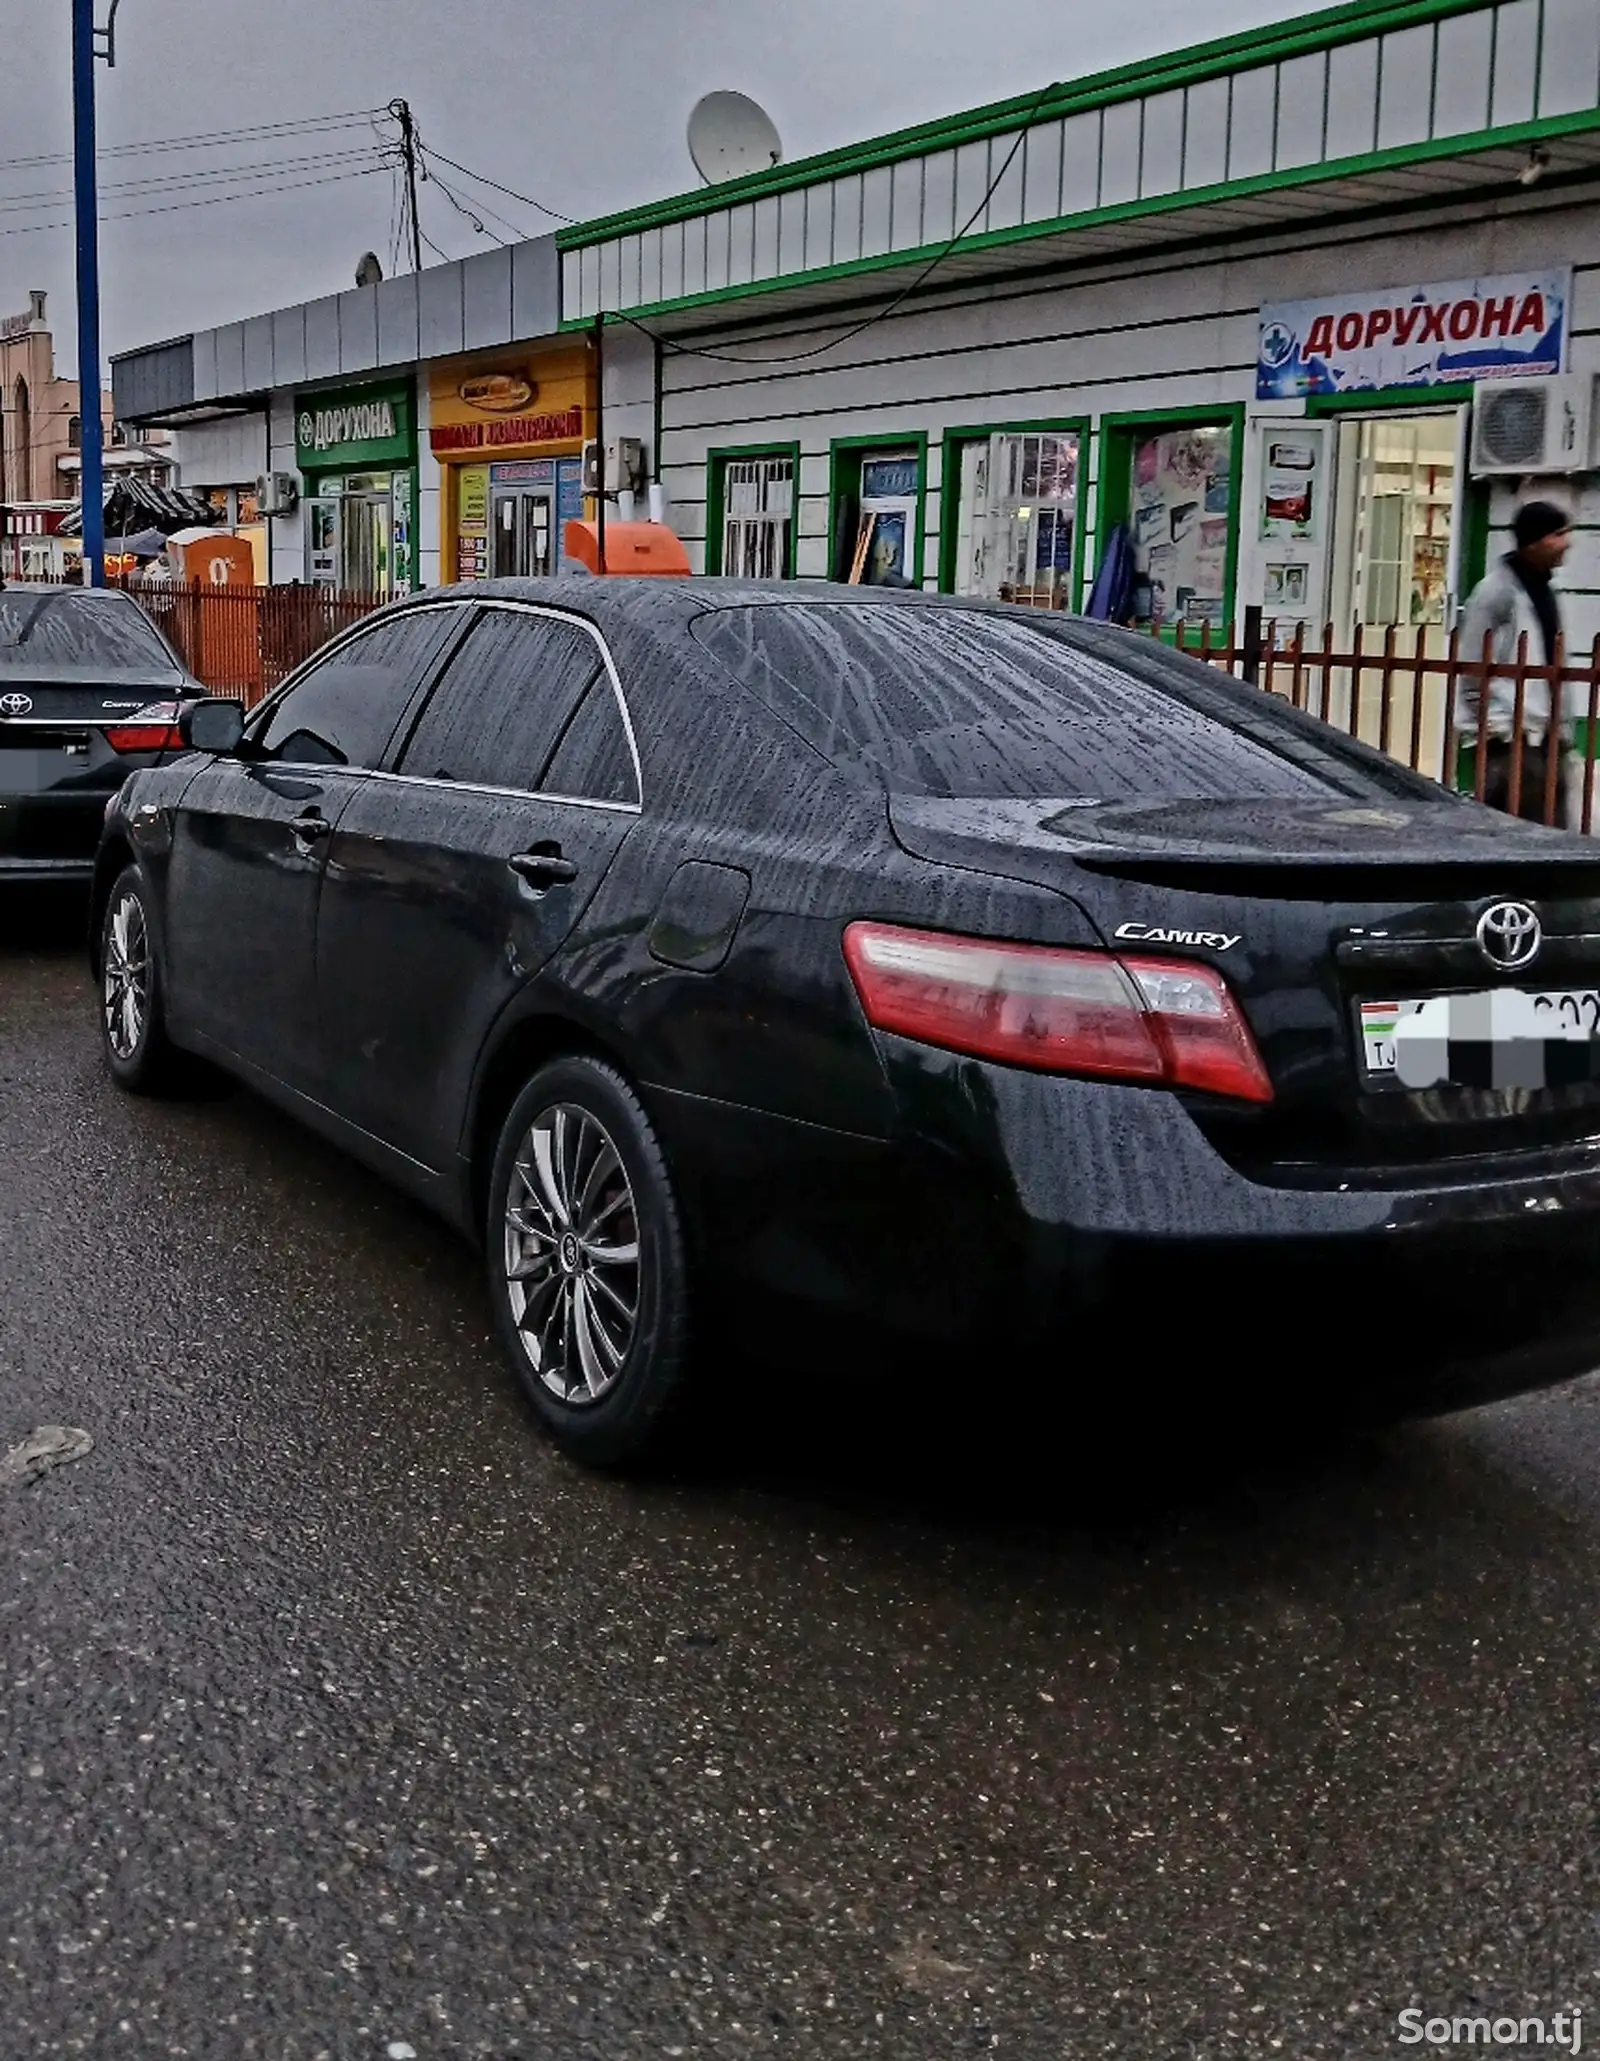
[[1091, 1230], [44, 830]]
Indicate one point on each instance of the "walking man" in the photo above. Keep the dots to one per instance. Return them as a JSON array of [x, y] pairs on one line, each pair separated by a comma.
[[1514, 597]]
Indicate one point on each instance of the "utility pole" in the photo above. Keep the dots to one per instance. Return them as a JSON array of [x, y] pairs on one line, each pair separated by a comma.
[[599, 334], [401, 110], [91, 475]]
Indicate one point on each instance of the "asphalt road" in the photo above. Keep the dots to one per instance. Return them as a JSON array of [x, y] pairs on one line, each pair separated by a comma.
[[341, 1718]]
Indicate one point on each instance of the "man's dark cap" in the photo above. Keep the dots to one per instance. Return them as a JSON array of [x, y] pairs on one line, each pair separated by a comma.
[[1536, 520]]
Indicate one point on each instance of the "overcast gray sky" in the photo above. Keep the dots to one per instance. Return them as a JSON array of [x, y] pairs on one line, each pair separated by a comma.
[[582, 107]]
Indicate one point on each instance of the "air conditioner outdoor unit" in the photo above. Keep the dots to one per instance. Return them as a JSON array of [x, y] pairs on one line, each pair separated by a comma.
[[277, 493], [624, 465], [1533, 425]]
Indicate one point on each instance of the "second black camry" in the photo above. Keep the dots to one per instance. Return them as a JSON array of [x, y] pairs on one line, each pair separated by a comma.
[[887, 978], [89, 691]]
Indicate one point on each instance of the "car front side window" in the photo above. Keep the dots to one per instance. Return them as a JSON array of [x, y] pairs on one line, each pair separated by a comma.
[[344, 711]]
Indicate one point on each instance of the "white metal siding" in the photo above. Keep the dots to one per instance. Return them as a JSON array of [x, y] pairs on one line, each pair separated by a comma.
[[1519, 61], [1180, 336]]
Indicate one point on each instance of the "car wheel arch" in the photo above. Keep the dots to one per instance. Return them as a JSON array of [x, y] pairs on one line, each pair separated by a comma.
[[508, 1064], [111, 862]]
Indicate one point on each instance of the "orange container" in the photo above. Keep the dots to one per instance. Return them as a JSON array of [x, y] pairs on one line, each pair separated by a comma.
[[631, 547]]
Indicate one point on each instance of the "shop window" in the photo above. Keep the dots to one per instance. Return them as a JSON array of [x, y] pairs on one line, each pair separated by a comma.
[[877, 509], [1180, 503], [1017, 520], [758, 509]]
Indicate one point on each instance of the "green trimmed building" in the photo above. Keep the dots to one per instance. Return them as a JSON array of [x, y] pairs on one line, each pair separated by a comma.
[[1304, 310]]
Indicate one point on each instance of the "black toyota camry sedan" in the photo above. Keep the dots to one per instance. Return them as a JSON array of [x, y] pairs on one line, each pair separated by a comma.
[[89, 690], [887, 982]]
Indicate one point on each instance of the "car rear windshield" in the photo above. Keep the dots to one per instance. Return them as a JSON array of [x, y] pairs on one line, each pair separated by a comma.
[[953, 702], [105, 632]]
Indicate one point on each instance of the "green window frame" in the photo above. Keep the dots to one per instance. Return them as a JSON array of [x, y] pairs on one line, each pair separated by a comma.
[[718, 459], [1119, 433], [845, 456], [955, 441]]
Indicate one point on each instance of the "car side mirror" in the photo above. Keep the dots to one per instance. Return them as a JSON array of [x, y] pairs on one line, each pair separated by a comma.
[[213, 725]]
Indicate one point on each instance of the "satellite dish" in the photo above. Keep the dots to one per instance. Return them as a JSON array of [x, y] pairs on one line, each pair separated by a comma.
[[730, 136], [369, 272]]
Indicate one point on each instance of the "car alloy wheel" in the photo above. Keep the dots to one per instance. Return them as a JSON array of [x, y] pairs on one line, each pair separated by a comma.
[[572, 1255], [126, 987]]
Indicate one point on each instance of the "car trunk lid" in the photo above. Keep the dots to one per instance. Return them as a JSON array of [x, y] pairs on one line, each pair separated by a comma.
[[53, 727], [1310, 910]]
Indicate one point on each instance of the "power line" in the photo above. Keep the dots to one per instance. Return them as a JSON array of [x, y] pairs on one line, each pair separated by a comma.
[[309, 125], [463, 210], [479, 207], [526, 200], [442, 255], [915, 285], [211, 200], [11, 203]]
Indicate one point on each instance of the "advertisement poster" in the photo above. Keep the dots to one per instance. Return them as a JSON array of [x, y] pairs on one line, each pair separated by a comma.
[[1293, 488], [1054, 541], [1181, 506], [472, 522], [1514, 325], [888, 559], [322, 539]]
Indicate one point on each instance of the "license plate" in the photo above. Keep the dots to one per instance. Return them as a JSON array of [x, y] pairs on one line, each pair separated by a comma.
[[1501, 1038]]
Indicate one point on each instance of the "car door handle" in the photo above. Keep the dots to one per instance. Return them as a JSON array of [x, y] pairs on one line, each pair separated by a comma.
[[543, 869], [311, 826]]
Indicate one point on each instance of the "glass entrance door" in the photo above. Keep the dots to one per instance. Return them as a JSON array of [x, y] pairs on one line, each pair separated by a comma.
[[1398, 491], [366, 537], [523, 525]]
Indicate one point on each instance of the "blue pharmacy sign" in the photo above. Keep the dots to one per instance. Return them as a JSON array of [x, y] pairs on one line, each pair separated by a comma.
[[1507, 327]]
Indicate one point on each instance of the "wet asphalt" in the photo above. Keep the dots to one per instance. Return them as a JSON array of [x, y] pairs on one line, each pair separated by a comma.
[[342, 1718]]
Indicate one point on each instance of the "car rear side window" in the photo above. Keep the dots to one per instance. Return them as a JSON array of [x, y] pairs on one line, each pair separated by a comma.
[[954, 703], [504, 700], [593, 761], [344, 710]]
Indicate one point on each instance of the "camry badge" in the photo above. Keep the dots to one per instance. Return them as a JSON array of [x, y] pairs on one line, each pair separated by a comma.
[[1509, 935], [1153, 934], [16, 704]]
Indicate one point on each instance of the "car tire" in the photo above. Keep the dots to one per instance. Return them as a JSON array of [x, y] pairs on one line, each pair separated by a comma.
[[133, 1031], [587, 1267]]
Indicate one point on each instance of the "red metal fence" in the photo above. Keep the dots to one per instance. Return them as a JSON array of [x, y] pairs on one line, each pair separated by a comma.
[[244, 640], [1403, 702]]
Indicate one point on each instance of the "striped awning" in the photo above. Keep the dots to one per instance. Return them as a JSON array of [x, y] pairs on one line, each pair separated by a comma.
[[131, 503]]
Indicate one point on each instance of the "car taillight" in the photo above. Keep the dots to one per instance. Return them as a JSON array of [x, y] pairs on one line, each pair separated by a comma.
[[1161, 1021], [148, 729]]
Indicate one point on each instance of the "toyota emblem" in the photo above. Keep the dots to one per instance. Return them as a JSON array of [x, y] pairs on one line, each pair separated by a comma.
[[16, 704], [1509, 935]]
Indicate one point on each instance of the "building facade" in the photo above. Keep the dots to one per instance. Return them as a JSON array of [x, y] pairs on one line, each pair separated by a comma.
[[40, 420], [1251, 305], [1240, 300], [383, 439]]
